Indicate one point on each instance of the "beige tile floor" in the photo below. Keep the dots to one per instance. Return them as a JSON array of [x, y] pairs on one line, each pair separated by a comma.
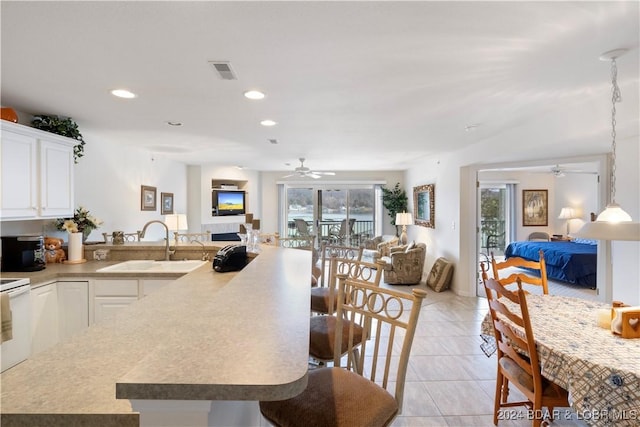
[[450, 381]]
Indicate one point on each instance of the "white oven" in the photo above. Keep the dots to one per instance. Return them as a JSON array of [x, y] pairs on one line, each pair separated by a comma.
[[18, 348]]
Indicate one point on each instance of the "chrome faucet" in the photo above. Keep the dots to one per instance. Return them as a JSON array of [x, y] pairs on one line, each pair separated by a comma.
[[205, 255], [167, 250]]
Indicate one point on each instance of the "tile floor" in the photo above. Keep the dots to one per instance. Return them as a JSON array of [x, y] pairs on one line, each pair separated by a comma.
[[450, 381]]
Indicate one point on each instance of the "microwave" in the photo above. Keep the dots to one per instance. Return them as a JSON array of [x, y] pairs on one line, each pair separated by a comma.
[[23, 253]]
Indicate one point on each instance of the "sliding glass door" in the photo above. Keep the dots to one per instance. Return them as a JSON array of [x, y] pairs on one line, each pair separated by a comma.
[[344, 215]]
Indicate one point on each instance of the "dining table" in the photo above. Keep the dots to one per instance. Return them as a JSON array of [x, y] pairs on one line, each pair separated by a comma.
[[599, 369]]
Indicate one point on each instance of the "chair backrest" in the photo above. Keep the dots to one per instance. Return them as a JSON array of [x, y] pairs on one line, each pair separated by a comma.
[[382, 313], [513, 332], [188, 237], [128, 237], [351, 269], [346, 229], [328, 250], [302, 227], [539, 236], [295, 242], [539, 267]]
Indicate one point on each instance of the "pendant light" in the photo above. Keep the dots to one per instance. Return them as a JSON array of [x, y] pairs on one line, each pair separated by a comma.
[[613, 223]]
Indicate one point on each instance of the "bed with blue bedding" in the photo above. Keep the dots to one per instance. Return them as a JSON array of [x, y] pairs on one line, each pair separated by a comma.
[[573, 262]]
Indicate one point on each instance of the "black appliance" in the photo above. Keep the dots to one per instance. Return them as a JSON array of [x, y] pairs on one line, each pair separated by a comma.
[[230, 258], [23, 253]]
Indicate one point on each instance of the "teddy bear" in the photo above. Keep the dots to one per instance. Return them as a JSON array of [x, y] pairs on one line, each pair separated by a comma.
[[53, 251]]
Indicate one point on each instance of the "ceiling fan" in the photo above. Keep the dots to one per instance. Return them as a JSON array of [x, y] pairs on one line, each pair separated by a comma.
[[559, 172], [303, 172]]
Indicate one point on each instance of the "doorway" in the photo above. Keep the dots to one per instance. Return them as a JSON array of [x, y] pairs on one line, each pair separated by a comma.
[[496, 212]]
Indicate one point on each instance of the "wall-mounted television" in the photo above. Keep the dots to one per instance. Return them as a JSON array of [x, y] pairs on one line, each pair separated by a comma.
[[228, 202]]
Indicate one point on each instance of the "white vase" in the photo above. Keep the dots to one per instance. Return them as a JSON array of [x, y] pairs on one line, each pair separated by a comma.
[[75, 247]]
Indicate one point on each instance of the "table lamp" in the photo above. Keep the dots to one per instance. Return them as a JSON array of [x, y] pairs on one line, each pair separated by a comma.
[[568, 214], [176, 222], [404, 219]]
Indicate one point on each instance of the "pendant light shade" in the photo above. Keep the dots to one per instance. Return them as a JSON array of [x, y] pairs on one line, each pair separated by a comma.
[[613, 223], [614, 214]]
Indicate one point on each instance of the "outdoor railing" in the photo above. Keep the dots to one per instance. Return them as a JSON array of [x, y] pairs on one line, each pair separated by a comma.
[[329, 230]]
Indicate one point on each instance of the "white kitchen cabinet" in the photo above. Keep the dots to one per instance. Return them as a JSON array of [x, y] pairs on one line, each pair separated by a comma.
[[73, 307], [36, 180], [112, 295], [44, 317], [107, 307]]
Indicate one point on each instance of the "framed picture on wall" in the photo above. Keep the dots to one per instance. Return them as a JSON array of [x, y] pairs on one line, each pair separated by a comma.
[[147, 198], [535, 208], [424, 205], [166, 203]]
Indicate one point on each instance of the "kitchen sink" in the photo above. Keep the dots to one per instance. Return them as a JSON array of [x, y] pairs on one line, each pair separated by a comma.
[[146, 266]]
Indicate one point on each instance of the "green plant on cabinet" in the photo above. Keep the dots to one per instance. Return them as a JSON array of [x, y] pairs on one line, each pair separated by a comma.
[[63, 126]]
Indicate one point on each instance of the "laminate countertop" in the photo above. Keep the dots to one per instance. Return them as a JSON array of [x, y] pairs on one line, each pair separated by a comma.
[[205, 336]]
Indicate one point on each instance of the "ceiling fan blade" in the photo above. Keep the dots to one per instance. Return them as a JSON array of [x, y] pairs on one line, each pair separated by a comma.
[[323, 173], [289, 176], [312, 175]]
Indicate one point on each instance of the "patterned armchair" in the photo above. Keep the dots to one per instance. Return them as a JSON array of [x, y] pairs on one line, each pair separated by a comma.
[[404, 264], [378, 247]]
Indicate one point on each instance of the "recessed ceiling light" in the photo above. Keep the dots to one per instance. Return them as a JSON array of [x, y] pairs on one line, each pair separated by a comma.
[[254, 94], [268, 123], [174, 123], [123, 93]]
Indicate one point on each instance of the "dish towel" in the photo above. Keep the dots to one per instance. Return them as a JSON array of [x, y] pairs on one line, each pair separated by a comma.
[[5, 316]]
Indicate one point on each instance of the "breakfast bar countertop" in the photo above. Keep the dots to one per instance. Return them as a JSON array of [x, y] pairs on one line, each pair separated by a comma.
[[204, 336]]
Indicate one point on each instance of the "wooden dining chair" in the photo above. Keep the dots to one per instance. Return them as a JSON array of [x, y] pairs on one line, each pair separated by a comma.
[[341, 396], [538, 268], [517, 354], [323, 327]]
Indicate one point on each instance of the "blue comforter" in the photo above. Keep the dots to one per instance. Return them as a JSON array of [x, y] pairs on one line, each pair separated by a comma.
[[565, 261]]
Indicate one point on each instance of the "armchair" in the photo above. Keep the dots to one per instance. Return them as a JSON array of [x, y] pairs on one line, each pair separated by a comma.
[[405, 264], [378, 247]]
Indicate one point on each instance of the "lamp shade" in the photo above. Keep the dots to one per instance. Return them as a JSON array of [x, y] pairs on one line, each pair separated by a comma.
[[404, 218], [614, 213], [567, 213], [176, 222]]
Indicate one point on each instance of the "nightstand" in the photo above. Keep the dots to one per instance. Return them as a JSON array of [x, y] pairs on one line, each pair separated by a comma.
[[560, 239]]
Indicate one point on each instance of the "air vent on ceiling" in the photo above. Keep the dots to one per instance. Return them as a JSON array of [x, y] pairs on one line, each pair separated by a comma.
[[223, 68], [273, 141]]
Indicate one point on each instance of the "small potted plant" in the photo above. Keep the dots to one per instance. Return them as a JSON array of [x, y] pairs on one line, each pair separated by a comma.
[[63, 126], [82, 222]]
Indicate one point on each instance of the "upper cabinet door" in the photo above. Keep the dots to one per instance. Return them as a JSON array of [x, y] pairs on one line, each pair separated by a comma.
[[19, 198], [56, 179], [37, 174]]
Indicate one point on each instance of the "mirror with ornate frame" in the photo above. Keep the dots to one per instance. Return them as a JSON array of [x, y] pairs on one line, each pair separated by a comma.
[[424, 210]]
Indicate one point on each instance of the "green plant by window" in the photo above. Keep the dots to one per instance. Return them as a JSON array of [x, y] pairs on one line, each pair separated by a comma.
[[63, 126], [394, 200]]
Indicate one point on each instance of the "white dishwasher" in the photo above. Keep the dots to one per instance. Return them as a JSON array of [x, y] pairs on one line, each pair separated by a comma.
[[18, 348]]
